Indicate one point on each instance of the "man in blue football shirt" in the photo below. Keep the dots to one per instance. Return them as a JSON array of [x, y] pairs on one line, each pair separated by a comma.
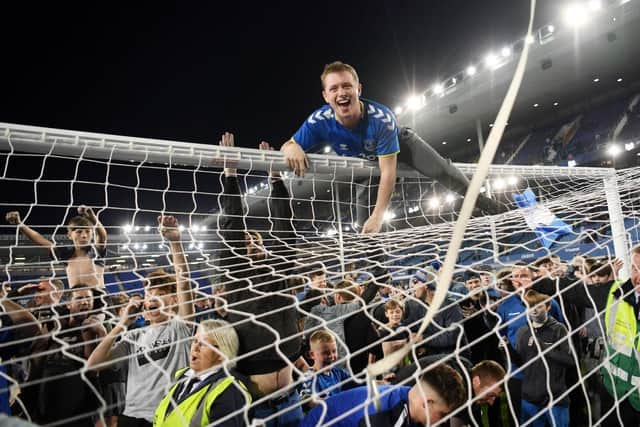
[[439, 392], [361, 128]]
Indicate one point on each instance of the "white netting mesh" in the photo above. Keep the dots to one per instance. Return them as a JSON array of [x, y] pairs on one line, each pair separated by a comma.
[[311, 228]]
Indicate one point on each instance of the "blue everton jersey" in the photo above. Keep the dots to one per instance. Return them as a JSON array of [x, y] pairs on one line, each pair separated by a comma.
[[376, 134]]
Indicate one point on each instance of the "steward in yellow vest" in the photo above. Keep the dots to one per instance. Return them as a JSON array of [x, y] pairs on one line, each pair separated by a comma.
[[213, 398], [621, 372]]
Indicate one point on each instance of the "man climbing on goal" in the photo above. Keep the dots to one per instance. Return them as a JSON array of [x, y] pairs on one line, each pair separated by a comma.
[[361, 128]]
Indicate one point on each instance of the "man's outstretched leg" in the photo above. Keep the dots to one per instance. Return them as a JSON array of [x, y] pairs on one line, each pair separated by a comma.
[[417, 153]]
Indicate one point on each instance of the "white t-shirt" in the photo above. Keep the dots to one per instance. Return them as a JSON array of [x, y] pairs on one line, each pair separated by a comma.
[[154, 354]]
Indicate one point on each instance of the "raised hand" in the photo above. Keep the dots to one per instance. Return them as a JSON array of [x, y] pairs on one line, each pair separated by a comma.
[[13, 218], [227, 140], [128, 313], [168, 226], [88, 213]]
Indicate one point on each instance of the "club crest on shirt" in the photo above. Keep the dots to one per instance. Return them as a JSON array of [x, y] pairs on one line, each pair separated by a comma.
[[369, 145]]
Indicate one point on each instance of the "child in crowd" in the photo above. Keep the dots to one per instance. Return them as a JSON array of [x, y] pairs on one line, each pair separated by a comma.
[[547, 347], [85, 258], [323, 379]]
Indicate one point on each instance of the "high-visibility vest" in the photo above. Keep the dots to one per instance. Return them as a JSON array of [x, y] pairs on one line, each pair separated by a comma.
[[193, 411], [621, 370]]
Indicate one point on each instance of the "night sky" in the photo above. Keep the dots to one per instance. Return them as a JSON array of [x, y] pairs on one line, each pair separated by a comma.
[[189, 72]]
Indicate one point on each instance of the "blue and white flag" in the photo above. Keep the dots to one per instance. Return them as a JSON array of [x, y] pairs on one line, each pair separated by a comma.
[[540, 219]]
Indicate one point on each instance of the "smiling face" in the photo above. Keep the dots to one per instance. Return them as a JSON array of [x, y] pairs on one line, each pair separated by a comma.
[[394, 315], [342, 92]]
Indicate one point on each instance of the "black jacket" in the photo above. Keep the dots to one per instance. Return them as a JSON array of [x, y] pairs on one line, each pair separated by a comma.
[[558, 359], [260, 288]]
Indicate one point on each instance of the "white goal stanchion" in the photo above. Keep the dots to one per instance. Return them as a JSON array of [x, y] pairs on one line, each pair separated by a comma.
[[129, 182]]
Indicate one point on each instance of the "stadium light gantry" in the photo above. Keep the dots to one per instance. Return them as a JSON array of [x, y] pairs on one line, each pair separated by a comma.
[[450, 198], [551, 29], [434, 202], [506, 51], [512, 180], [195, 228], [529, 39], [398, 110], [136, 246], [327, 149], [438, 89], [499, 184], [127, 228], [571, 163], [415, 102], [471, 70], [629, 146], [147, 228], [491, 60], [614, 150], [576, 15]]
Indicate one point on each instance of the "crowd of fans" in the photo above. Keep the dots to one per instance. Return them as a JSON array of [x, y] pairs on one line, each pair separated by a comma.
[[289, 344]]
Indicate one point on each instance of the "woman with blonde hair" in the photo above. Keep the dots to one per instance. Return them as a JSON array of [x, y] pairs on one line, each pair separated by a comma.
[[208, 390]]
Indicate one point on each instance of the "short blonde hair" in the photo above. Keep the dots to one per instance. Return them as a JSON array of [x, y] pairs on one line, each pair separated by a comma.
[[338, 67], [321, 336], [224, 335]]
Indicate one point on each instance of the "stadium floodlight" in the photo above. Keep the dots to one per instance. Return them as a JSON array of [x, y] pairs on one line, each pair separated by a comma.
[[444, 142], [506, 51], [136, 246], [596, 80], [555, 104], [468, 139], [536, 105], [147, 228], [512, 180], [619, 79], [332, 232], [438, 89], [388, 216], [127, 228], [434, 202], [125, 247], [483, 189], [450, 198], [327, 149], [471, 70], [415, 102], [629, 146], [204, 227], [571, 163], [200, 245], [499, 184], [576, 15], [491, 60], [137, 228], [192, 245], [160, 246], [346, 228], [551, 29], [181, 228], [529, 39], [398, 110], [144, 247], [614, 150]]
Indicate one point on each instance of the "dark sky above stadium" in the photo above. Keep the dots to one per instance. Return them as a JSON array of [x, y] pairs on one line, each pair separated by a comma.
[[191, 70]]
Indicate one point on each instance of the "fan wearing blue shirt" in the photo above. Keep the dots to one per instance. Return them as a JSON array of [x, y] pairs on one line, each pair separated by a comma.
[[439, 392], [323, 379], [358, 127]]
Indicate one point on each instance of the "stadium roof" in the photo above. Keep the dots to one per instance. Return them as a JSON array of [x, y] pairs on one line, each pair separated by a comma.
[[563, 64]]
